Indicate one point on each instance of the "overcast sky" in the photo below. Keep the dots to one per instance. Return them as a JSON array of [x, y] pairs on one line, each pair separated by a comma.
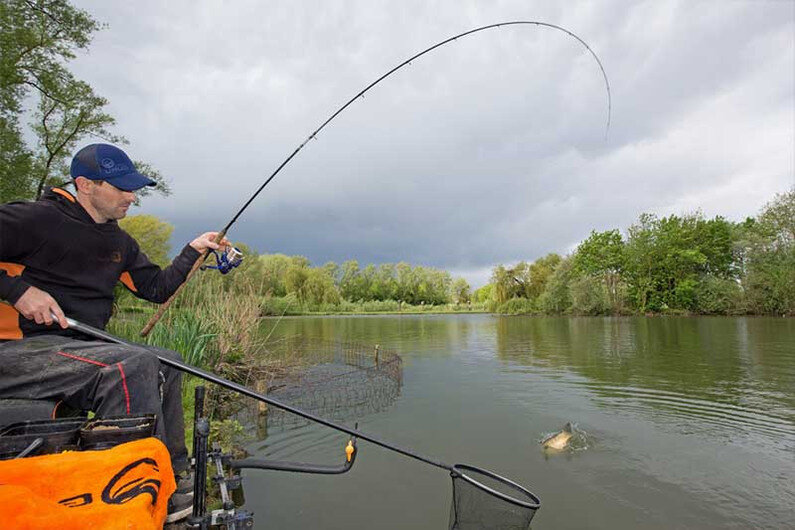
[[489, 150]]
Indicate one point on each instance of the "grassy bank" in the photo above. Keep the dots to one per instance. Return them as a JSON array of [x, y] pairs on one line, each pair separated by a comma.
[[214, 325], [290, 305]]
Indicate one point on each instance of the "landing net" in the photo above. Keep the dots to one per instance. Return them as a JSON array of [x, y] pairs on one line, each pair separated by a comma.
[[485, 500], [334, 380]]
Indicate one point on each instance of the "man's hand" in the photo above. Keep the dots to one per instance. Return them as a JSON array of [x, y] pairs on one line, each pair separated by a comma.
[[206, 241], [37, 305]]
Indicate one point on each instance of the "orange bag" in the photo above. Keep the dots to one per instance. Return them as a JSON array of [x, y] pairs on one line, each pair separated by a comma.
[[125, 487]]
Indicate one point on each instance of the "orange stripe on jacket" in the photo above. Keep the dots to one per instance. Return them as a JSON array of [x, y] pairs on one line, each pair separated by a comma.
[[64, 193], [127, 280], [9, 317]]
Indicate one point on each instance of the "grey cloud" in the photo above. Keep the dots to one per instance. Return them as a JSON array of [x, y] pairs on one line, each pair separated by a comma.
[[489, 150]]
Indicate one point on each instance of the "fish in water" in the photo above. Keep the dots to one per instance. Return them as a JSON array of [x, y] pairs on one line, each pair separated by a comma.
[[559, 440]]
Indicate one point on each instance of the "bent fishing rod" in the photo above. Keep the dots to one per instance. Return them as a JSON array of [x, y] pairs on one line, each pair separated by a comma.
[[164, 307]]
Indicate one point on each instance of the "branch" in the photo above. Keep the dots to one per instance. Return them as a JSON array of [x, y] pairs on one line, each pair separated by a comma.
[[43, 91], [46, 133], [71, 135], [35, 7]]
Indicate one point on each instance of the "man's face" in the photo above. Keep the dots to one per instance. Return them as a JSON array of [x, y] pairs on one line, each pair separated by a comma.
[[109, 202]]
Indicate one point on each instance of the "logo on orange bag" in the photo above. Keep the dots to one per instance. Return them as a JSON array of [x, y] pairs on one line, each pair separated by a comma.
[[131, 481]]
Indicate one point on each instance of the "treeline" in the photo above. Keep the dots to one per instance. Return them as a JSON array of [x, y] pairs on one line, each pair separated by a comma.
[[291, 284], [675, 264], [331, 283]]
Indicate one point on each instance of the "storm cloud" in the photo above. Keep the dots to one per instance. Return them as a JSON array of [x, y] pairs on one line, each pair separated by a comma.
[[489, 150]]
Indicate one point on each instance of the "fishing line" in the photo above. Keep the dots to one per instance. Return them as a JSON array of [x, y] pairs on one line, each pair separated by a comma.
[[361, 93]]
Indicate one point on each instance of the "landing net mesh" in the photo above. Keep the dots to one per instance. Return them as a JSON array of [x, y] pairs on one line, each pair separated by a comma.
[[483, 500], [334, 380]]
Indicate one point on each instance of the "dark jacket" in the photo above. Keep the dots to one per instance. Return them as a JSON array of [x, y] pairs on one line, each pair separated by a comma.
[[55, 245]]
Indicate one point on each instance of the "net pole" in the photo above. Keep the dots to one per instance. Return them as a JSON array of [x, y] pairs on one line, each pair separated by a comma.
[[230, 385]]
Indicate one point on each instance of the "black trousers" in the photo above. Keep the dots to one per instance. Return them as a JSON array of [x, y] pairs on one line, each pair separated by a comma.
[[109, 379]]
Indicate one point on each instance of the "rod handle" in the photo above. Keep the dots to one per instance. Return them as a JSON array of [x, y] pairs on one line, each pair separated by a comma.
[[165, 305]]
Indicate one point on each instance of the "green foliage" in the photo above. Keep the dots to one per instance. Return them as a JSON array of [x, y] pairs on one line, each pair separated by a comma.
[[387, 281], [510, 282], [37, 39], [589, 296], [777, 222], [227, 433], [461, 291], [280, 305], [523, 280], [664, 259], [152, 235], [556, 297], [517, 306], [483, 294], [718, 296], [672, 264], [16, 162], [770, 283], [602, 255], [540, 271], [274, 268], [770, 258], [184, 332]]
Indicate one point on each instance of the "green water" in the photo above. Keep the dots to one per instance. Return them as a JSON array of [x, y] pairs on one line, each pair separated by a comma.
[[690, 422]]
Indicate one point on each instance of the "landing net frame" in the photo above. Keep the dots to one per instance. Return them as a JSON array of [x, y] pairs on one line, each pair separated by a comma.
[[475, 505]]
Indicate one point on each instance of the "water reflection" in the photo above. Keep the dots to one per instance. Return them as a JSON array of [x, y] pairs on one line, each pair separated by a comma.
[[727, 373], [690, 421]]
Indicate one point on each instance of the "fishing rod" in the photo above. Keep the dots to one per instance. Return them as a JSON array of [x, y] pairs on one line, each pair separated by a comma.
[[506, 500], [230, 385], [164, 307]]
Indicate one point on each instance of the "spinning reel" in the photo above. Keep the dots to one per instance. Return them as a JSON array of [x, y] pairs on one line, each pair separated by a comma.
[[230, 258]]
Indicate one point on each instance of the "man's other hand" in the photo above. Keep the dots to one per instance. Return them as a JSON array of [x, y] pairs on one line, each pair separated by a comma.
[[38, 305], [207, 241]]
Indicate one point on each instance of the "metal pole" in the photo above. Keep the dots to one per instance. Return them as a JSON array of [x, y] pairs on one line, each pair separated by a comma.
[[104, 335]]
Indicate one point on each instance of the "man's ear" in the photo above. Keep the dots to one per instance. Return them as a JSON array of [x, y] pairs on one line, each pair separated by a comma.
[[83, 185]]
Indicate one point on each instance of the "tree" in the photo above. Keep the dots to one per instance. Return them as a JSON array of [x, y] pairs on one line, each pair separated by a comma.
[[510, 282], [152, 234], [484, 294], [274, 267], [16, 162], [602, 255], [589, 296], [769, 281], [640, 259], [556, 297], [37, 39], [777, 221], [540, 271], [461, 291], [349, 281]]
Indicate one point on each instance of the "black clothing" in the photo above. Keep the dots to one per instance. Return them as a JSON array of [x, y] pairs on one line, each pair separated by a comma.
[[110, 379], [55, 245]]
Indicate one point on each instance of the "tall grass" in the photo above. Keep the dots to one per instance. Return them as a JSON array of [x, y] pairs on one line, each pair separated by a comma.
[[214, 324], [209, 323], [181, 331]]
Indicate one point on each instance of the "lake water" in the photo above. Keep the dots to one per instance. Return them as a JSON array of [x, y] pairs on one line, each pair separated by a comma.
[[690, 423]]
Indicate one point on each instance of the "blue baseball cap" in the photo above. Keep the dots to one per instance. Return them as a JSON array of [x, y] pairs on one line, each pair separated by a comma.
[[111, 164]]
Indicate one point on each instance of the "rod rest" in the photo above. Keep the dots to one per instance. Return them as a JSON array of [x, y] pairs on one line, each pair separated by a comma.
[[295, 467]]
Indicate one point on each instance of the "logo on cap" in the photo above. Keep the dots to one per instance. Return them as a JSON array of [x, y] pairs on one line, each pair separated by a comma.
[[107, 163]]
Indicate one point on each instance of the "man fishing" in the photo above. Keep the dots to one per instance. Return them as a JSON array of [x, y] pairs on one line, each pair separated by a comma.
[[62, 255]]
